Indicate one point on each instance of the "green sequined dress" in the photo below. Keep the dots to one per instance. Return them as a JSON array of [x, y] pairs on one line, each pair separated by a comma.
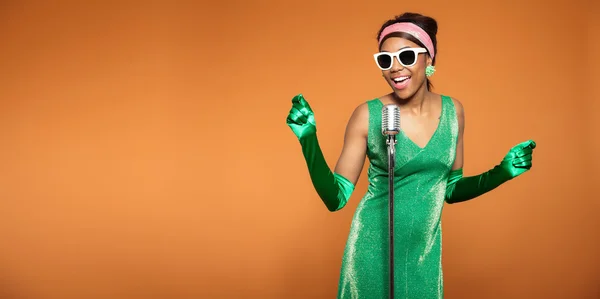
[[420, 178]]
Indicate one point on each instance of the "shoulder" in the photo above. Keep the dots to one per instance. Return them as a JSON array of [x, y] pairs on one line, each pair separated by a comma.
[[458, 106], [359, 120], [460, 113], [362, 109]]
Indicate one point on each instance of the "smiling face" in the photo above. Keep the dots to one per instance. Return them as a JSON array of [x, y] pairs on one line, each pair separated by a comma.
[[405, 80]]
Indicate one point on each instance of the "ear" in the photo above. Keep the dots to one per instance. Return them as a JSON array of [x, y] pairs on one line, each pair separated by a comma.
[[429, 60]]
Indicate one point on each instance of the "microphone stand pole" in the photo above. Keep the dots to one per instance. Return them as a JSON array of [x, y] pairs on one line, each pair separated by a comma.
[[391, 142]]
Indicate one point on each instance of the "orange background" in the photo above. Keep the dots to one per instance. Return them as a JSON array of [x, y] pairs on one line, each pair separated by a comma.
[[145, 153]]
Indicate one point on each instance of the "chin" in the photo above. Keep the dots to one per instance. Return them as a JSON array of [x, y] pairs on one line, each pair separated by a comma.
[[405, 93]]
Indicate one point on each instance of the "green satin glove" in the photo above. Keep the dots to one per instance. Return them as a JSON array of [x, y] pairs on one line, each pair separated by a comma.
[[333, 189], [515, 163]]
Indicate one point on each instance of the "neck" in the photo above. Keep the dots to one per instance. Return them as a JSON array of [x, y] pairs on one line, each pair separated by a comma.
[[415, 103]]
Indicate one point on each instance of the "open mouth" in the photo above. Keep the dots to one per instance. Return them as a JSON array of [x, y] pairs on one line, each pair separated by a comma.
[[401, 82], [400, 79]]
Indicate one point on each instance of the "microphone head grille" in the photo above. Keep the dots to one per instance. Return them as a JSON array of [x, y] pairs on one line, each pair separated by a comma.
[[390, 119]]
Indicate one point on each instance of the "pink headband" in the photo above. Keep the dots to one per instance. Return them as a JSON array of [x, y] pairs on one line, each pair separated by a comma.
[[413, 30]]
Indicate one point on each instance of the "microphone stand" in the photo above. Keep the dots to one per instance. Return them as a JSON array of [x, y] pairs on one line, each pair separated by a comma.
[[391, 142]]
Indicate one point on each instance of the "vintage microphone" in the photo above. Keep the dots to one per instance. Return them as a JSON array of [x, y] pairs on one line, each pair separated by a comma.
[[390, 127]]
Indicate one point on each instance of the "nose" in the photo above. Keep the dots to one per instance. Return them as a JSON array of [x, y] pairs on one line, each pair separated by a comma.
[[396, 65]]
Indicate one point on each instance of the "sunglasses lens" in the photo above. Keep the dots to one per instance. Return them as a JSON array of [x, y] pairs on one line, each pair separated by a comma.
[[384, 61], [408, 57]]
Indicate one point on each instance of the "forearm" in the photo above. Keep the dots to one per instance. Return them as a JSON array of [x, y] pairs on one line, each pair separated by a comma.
[[333, 189], [461, 188]]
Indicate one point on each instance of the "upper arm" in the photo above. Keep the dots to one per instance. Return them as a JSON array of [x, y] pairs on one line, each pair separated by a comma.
[[354, 151], [460, 115]]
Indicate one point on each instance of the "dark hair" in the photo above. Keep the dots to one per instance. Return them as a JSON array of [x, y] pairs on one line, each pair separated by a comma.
[[426, 23]]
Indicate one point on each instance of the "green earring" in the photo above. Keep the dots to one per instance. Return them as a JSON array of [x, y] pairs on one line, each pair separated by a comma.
[[429, 70]]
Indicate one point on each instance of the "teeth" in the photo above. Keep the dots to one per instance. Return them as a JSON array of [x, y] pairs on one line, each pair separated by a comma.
[[400, 79]]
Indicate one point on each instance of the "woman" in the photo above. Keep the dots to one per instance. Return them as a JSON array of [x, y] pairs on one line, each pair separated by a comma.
[[428, 170]]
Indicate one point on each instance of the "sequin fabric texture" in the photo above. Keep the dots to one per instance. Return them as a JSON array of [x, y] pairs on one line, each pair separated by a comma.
[[420, 178]]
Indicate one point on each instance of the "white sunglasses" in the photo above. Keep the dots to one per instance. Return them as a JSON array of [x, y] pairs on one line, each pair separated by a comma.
[[407, 57]]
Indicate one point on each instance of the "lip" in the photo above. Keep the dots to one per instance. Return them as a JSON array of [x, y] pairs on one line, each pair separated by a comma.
[[399, 76]]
